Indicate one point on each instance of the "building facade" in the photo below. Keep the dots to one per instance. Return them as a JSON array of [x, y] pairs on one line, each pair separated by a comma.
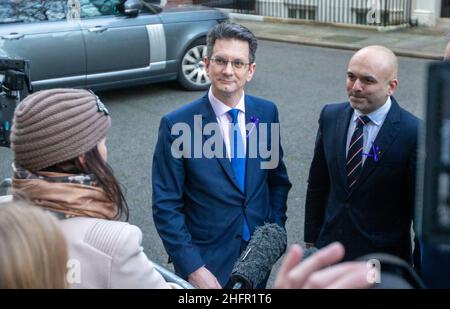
[[393, 12], [431, 12]]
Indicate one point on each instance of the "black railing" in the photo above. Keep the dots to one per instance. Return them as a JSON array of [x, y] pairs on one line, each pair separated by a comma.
[[363, 12]]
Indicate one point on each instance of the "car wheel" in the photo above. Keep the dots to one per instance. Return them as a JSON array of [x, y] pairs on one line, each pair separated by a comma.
[[192, 71]]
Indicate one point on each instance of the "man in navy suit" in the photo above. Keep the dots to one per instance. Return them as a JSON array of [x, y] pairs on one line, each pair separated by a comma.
[[205, 207], [361, 182]]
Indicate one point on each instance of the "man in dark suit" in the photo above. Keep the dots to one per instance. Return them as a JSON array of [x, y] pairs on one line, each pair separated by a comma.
[[361, 182], [205, 207]]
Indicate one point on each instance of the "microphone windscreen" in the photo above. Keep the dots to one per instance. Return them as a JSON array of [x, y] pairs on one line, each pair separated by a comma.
[[307, 252], [266, 245]]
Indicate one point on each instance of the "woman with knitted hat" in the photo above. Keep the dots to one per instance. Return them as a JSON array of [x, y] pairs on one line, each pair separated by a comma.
[[58, 139]]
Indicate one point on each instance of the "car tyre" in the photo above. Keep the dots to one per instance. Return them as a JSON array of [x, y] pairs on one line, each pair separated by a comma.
[[192, 70]]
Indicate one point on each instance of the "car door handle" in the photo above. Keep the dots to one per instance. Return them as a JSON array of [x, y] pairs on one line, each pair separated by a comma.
[[12, 36], [97, 29]]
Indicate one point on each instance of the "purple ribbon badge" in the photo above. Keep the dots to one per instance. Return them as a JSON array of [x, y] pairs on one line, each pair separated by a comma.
[[375, 153], [255, 122]]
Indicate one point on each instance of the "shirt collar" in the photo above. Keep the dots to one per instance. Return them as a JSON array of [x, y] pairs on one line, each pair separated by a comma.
[[221, 108], [377, 116]]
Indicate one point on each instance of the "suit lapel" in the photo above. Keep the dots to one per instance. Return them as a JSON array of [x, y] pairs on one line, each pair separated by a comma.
[[209, 116], [252, 164], [384, 139], [342, 124]]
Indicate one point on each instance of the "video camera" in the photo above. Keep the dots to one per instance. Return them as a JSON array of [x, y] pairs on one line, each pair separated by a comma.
[[16, 79], [433, 211]]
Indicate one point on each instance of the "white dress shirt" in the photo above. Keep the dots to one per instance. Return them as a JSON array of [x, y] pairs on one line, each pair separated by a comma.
[[225, 122], [371, 129]]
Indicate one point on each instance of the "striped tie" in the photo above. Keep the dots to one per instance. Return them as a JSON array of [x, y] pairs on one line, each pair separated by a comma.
[[355, 151]]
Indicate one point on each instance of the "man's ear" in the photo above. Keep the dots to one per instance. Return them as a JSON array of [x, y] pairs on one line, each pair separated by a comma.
[[207, 65], [393, 84], [251, 71], [447, 52]]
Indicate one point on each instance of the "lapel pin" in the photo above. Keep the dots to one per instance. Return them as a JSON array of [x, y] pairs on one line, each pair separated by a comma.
[[255, 122], [375, 153]]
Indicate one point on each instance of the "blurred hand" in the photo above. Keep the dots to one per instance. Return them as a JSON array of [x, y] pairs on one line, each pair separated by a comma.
[[202, 278], [314, 272]]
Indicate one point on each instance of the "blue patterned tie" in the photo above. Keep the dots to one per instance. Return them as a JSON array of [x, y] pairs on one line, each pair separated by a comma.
[[355, 151], [237, 154]]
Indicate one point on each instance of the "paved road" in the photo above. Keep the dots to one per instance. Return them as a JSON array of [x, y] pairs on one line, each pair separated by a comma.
[[299, 79]]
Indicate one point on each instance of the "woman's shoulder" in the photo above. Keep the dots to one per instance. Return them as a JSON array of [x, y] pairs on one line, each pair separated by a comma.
[[104, 235], [5, 199]]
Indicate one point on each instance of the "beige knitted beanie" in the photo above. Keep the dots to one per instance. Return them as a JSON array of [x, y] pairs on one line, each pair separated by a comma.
[[53, 126]]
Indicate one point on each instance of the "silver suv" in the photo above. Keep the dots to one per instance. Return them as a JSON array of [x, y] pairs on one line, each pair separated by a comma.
[[103, 44]]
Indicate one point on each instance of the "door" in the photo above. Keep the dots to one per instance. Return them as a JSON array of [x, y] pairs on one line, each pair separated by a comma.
[[445, 11], [117, 47], [41, 34]]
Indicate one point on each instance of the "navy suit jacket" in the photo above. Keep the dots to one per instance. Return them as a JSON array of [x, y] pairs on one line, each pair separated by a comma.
[[376, 214], [198, 208]]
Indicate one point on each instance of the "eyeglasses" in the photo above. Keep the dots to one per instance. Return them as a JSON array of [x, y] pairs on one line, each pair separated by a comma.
[[237, 64]]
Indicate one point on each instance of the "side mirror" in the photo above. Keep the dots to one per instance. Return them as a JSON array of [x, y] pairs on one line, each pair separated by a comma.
[[130, 7]]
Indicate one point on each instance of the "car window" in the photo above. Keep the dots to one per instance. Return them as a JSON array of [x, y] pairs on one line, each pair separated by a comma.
[[151, 7], [30, 11], [94, 8]]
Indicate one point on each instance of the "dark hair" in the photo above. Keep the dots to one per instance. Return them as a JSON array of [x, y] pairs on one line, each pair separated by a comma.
[[94, 164], [232, 31]]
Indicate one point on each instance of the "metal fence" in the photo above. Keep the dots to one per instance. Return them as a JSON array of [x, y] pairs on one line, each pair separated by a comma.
[[358, 12]]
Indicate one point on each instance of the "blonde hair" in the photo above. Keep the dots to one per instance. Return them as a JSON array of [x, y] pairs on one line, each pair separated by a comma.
[[33, 250]]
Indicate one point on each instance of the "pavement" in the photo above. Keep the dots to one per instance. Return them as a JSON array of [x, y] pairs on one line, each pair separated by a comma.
[[416, 42]]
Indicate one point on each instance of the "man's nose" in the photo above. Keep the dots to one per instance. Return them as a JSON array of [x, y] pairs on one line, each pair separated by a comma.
[[228, 69], [357, 86]]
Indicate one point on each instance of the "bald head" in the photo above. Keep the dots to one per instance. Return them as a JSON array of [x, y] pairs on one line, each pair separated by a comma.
[[371, 78], [381, 60], [447, 52]]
